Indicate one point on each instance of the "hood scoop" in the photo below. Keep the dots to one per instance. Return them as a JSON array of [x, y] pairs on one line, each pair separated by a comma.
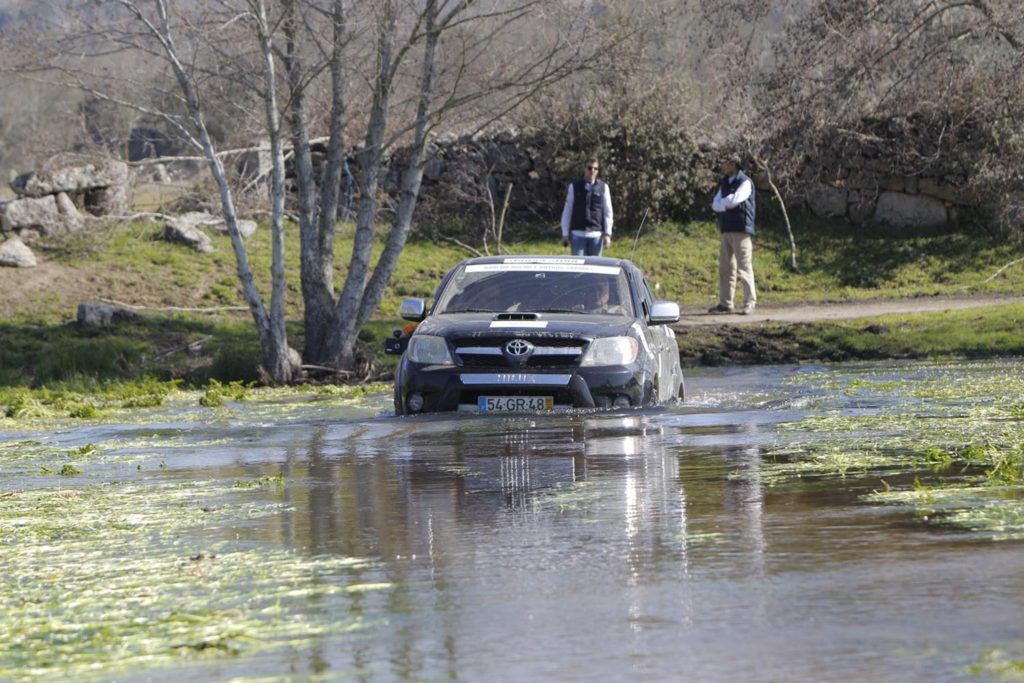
[[515, 316]]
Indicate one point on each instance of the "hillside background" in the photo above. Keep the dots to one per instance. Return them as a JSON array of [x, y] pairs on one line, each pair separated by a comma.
[[771, 80]]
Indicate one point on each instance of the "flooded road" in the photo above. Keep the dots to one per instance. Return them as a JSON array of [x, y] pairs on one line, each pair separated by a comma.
[[805, 523]]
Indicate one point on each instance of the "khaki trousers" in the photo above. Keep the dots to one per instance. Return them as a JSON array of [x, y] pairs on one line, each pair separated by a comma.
[[736, 258]]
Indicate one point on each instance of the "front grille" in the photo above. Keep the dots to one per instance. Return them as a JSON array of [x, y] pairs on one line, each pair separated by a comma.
[[549, 352], [499, 342]]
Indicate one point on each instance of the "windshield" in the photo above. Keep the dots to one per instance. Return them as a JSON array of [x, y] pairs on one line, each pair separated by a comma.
[[557, 287]]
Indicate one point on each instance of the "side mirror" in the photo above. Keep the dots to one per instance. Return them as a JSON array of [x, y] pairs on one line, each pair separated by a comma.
[[664, 313], [413, 309]]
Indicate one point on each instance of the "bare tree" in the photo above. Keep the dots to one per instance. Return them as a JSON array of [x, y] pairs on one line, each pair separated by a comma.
[[387, 73], [73, 49], [432, 64]]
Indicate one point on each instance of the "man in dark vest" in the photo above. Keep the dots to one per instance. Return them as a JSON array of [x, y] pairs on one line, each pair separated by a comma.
[[587, 216], [734, 203]]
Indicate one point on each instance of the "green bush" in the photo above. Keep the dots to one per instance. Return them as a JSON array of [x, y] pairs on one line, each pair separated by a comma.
[[647, 154]]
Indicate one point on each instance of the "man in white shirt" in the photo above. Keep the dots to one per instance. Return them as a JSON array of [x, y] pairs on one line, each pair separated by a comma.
[[735, 205], [587, 216]]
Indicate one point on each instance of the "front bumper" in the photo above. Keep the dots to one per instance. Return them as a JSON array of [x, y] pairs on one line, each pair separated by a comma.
[[446, 388]]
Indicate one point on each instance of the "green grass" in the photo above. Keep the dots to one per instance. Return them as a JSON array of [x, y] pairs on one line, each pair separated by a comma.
[[127, 263], [836, 263], [966, 334]]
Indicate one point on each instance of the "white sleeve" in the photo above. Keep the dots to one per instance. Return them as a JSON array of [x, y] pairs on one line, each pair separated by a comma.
[[718, 204], [741, 195], [609, 219], [567, 212]]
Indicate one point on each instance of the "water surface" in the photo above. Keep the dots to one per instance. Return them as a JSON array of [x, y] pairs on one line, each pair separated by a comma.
[[756, 532]]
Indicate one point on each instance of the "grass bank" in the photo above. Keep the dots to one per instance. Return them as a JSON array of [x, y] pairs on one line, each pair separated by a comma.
[[975, 333], [127, 263]]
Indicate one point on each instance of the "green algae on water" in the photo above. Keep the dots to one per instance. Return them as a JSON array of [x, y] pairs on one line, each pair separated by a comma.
[[953, 431], [121, 577]]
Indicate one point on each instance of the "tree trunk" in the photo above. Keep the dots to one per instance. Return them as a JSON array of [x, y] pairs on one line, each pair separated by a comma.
[[342, 338], [412, 176], [274, 349], [277, 359], [317, 297]]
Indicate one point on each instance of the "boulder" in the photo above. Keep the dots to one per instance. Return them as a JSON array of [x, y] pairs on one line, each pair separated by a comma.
[[71, 179], [861, 208], [910, 211], [246, 227], [107, 201], [32, 212], [102, 315], [71, 219], [940, 189], [184, 230], [207, 221], [159, 174], [14, 254]]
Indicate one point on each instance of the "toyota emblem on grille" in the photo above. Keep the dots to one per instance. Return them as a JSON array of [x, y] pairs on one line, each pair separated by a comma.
[[519, 348]]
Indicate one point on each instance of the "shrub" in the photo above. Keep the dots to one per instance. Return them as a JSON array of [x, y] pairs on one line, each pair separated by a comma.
[[647, 154]]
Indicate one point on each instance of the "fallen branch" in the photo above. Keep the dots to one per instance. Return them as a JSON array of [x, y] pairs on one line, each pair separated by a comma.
[[184, 309], [994, 275], [325, 368], [128, 217], [465, 246], [193, 346]]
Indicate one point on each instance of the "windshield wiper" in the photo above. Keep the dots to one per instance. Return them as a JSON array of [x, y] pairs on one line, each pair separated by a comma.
[[471, 310], [556, 310]]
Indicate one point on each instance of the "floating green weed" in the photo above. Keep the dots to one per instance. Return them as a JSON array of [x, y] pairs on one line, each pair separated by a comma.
[[277, 481], [216, 393], [85, 451], [937, 459], [564, 497], [84, 399], [65, 471], [872, 385], [116, 578], [999, 664], [945, 427], [1007, 467]]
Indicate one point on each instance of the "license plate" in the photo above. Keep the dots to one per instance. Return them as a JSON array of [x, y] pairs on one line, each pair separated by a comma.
[[489, 404]]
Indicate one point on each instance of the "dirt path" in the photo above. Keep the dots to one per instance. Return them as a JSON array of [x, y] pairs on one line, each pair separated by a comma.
[[801, 313]]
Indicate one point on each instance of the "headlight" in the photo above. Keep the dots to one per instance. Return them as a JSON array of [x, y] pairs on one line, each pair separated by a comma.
[[610, 351], [428, 350]]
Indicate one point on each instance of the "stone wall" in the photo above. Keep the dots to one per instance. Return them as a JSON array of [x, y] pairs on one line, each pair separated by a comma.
[[901, 203], [904, 175], [859, 183], [466, 176]]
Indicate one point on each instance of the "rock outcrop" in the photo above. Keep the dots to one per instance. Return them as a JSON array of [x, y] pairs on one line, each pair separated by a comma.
[[50, 201], [102, 315], [185, 230], [14, 254], [72, 179]]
